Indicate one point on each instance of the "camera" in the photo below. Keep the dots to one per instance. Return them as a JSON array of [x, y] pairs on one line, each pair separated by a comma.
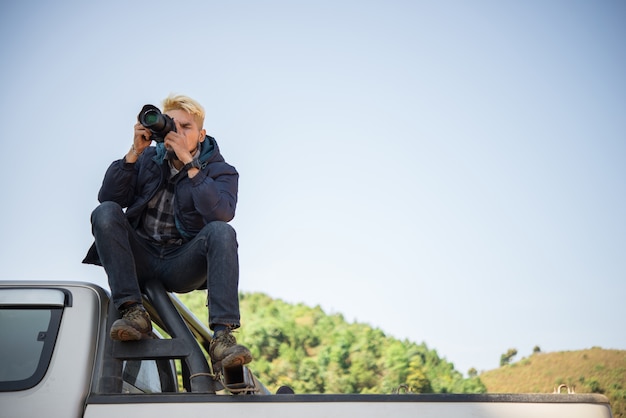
[[158, 123]]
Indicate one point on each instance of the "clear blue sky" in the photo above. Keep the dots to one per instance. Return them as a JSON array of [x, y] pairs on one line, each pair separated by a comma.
[[452, 172]]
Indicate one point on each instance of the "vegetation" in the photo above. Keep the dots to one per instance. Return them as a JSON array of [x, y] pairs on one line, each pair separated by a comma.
[[507, 357], [587, 371], [312, 352]]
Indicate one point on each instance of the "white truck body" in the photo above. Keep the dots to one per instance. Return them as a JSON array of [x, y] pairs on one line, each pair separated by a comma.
[[78, 372]]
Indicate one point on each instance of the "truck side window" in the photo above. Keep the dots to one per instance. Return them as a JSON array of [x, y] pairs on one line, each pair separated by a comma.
[[27, 338]]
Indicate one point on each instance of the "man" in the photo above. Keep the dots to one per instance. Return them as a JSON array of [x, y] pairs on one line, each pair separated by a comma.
[[163, 215]]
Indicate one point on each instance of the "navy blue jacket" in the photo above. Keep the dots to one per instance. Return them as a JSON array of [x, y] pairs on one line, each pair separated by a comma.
[[211, 195]]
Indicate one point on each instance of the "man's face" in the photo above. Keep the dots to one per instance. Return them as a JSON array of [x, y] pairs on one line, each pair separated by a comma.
[[186, 125]]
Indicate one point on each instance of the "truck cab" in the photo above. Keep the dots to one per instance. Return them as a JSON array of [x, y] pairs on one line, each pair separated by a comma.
[[55, 351]]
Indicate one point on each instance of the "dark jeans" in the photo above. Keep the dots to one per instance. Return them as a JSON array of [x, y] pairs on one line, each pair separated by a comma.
[[209, 259]]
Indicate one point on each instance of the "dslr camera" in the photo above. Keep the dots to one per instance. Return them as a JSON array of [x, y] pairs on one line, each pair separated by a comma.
[[158, 123]]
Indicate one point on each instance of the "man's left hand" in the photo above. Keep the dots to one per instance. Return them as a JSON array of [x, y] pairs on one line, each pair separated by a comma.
[[178, 143]]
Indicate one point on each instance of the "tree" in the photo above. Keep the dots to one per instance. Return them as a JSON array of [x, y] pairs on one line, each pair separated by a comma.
[[507, 357], [416, 378]]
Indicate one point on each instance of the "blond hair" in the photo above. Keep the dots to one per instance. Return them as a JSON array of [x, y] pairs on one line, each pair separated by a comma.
[[189, 105]]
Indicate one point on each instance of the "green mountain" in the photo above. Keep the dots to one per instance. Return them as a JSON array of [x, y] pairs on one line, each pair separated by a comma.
[[313, 352]]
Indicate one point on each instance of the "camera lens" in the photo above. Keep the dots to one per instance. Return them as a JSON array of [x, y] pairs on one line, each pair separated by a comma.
[[151, 117]]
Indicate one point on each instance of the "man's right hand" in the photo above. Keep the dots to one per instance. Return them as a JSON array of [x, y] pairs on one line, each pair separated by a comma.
[[141, 141]]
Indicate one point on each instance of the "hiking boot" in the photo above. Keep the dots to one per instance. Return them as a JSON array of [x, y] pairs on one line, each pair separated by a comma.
[[134, 325], [225, 350]]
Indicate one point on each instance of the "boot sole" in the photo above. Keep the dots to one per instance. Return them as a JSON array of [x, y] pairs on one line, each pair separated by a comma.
[[236, 359], [125, 334]]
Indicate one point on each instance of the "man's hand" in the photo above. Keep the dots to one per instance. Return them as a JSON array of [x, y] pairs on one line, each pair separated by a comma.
[[141, 141], [180, 145]]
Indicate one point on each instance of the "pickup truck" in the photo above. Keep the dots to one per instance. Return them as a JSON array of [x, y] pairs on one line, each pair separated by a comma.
[[56, 360]]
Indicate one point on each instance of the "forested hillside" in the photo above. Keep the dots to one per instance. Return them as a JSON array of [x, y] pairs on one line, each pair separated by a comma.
[[314, 352]]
